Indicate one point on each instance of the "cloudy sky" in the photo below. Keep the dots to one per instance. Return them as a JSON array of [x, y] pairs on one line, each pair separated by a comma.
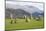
[[13, 3]]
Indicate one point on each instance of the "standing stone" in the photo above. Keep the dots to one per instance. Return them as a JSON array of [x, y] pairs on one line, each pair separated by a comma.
[[11, 15]]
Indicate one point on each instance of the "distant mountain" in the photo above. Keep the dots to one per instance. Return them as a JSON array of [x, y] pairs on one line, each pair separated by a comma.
[[20, 10], [27, 8], [37, 14], [36, 11], [16, 13]]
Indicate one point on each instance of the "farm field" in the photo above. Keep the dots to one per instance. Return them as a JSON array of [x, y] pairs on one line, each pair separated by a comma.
[[21, 24]]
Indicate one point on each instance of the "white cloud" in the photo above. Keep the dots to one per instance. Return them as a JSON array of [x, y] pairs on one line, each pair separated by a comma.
[[38, 5]]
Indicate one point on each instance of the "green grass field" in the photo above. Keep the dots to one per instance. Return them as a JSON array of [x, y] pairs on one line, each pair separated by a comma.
[[21, 24]]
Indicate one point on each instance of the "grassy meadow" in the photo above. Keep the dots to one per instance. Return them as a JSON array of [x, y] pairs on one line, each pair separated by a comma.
[[21, 24]]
